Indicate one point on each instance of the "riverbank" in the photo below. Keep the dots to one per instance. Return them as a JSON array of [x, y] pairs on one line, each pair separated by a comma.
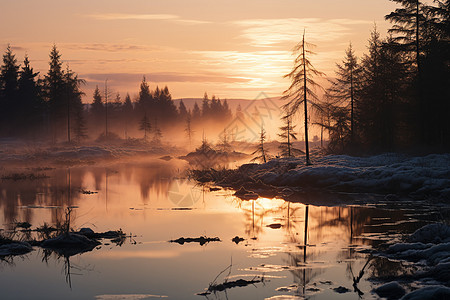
[[391, 175]]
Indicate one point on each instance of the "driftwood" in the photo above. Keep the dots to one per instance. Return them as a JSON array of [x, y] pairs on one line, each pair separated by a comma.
[[201, 240], [221, 287]]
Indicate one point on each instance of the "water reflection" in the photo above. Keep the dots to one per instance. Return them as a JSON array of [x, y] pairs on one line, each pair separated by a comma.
[[64, 187], [305, 249]]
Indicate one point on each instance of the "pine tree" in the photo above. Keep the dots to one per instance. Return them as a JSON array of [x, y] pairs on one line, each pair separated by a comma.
[[301, 90], [380, 95], [196, 113], [343, 87], [157, 134], [408, 21], [9, 84], [227, 115], [182, 110], [74, 106], [288, 136], [261, 150], [188, 128], [127, 113], [97, 107], [224, 144], [32, 107], [55, 92], [206, 107], [80, 130], [239, 113], [145, 101], [145, 125]]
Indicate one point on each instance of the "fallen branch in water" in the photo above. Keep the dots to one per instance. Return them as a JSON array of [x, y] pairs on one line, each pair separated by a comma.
[[220, 287], [201, 240]]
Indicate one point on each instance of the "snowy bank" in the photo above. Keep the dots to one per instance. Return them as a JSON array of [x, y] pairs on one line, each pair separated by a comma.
[[419, 177], [19, 153], [428, 250]]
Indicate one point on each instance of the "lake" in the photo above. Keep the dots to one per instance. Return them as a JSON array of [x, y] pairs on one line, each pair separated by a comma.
[[289, 250]]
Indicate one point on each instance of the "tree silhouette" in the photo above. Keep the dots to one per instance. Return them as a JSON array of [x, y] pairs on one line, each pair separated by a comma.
[[74, 104], [288, 136], [182, 111], [80, 129], [56, 92], [97, 108], [9, 85], [157, 134], [30, 100], [408, 22], [343, 87], [301, 90], [188, 128], [205, 107], [196, 113], [261, 150], [145, 125], [380, 95], [127, 113]]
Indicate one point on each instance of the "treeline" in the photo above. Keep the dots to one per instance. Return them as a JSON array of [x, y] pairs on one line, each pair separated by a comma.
[[31, 106], [51, 108], [397, 95]]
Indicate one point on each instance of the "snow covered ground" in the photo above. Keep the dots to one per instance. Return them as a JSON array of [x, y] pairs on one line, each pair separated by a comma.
[[426, 177], [428, 249], [18, 152]]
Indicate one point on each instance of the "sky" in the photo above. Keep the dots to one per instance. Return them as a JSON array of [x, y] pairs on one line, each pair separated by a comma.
[[232, 49]]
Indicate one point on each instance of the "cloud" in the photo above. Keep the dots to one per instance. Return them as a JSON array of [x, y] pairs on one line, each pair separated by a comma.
[[108, 17], [270, 32], [145, 17], [162, 77], [111, 47]]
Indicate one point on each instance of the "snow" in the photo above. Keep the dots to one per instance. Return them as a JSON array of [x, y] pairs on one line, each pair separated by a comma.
[[428, 248], [21, 152], [429, 293], [15, 248], [391, 290], [420, 177]]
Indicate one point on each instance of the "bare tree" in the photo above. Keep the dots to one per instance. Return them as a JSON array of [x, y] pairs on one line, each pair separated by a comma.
[[301, 91]]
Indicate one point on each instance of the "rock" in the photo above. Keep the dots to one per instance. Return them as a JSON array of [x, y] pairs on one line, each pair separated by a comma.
[[341, 290], [70, 244], [237, 239], [429, 293], [392, 290], [432, 233], [87, 232], [15, 248]]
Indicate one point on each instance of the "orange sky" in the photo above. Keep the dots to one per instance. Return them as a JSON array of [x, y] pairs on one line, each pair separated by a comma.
[[233, 49]]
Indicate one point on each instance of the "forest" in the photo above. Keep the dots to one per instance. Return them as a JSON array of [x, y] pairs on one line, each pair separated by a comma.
[[395, 97]]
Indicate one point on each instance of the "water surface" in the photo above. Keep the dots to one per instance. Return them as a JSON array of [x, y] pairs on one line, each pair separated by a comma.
[[298, 251]]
